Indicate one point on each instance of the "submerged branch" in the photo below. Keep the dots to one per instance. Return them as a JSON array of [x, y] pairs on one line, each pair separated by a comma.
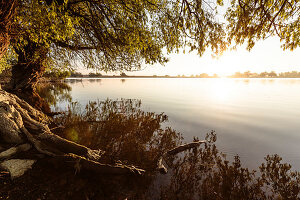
[[160, 166]]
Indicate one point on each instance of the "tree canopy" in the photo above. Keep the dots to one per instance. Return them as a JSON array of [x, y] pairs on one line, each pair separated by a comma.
[[121, 35], [116, 35], [252, 20]]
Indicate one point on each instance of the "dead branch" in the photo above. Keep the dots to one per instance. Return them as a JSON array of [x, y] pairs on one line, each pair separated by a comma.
[[161, 167], [184, 147]]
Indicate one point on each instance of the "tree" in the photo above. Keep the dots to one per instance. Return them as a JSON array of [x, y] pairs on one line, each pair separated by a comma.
[[123, 74], [247, 74], [57, 75], [108, 35], [91, 74], [204, 75], [7, 11], [215, 76], [263, 74], [76, 74], [272, 74], [122, 35]]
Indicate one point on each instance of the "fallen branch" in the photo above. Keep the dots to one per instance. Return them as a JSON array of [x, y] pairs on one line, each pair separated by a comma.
[[160, 166], [184, 147]]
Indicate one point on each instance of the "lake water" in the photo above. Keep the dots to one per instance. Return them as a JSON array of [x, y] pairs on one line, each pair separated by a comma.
[[252, 117]]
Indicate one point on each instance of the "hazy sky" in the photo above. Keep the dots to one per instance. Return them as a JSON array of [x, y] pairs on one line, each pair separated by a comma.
[[265, 56]]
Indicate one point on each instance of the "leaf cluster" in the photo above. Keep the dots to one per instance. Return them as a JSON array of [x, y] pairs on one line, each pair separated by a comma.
[[252, 20], [116, 35]]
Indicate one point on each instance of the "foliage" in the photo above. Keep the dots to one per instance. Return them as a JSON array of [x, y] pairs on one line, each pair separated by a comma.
[[8, 59], [292, 74], [122, 35], [272, 74], [116, 35], [76, 74], [57, 74], [252, 20], [36, 25], [55, 93], [204, 75], [123, 74], [97, 74]]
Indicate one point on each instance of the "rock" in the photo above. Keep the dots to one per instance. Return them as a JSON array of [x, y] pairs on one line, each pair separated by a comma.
[[17, 167], [11, 151]]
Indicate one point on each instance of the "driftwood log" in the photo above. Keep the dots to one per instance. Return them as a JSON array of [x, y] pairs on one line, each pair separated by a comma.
[[161, 167]]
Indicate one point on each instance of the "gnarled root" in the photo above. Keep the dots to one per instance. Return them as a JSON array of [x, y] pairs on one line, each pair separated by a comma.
[[83, 164], [20, 123]]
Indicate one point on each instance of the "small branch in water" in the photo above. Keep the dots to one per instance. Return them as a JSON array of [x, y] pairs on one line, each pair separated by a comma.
[[184, 147], [160, 166]]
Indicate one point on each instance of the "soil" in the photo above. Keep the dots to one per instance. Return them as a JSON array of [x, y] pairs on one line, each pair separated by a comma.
[[47, 181], [5, 77]]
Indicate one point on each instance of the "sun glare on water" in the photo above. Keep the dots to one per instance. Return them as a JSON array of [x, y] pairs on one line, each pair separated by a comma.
[[222, 90]]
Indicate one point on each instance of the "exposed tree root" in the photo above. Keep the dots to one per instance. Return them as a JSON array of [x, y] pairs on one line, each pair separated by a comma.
[[82, 164], [20, 123]]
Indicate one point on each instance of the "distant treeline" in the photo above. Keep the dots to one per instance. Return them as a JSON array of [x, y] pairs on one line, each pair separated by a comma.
[[247, 74], [272, 74], [56, 75], [203, 75], [92, 75]]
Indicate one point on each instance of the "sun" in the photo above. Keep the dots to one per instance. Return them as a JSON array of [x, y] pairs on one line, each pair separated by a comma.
[[228, 64]]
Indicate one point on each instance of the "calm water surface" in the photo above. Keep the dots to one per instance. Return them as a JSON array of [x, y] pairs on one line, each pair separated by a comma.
[[252, 117]]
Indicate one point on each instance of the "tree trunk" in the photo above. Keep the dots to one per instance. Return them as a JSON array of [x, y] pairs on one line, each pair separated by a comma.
[[7, 10], [34, 99], [26, 74], [30, 67]]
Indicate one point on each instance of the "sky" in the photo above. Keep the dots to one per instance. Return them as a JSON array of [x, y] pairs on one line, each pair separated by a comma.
[[266, 55]]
